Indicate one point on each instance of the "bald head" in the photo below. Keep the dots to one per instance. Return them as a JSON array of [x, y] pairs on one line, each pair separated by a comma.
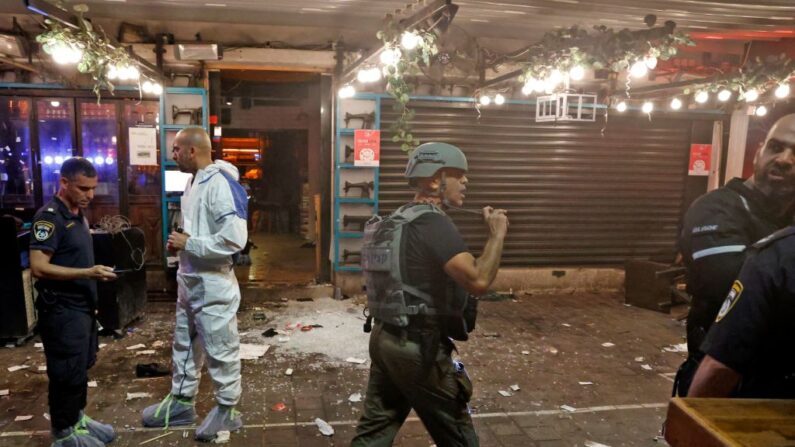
[[774, 163], [192, 149]]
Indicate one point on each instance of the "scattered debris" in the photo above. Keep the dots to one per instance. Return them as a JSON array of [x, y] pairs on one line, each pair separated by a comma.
[[151, 370], [306, 328], [16, 368], [608, 344], [145, 352], [26, 417], [131, 396], [585, 383], [304, 299], [4, 392], [646, 367], [102, 345], [324, 427], [185, 434], [525, 352], [283, 339], [38, 345], [514, 387], [288, 372], [638, 359], [355, 397], [504, 393], [565, 324], [10, 346], [134, 347], [250, 351], [552, 350], [355, 360], [259, 316], [42, 368], [92, 384], [568, 408], [155, 438], [270, 332], [491, 334], [279, 407], [158, 344], [595, 444], [222, 437], [681, 347], [46, 416]]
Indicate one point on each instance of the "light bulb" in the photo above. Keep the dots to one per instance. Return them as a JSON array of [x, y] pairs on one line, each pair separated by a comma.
[[539, 86], [361, 76], [108, 160], [133, 72], [347, 91], [484, 100], [702, 97], [375, 74], [527, 88], [390, 56], [123, 74], [146, 87], [751, 95], [577, 72], [638, 70], [782, 91], [409, 40], [48, 160], [58, 159], [499, 99], [99, 160], [621, 107], [676, 103], [761, 111], [724, 95], [157, 89], [55, 103], [113, 72], [555, 77], [650, 62], [647, 107]]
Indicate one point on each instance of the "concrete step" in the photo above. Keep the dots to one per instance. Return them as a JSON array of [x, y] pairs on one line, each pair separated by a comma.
[[252, 291]]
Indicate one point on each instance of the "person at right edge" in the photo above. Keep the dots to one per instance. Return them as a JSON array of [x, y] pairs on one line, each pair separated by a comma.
[[720, 225], [419, 274]]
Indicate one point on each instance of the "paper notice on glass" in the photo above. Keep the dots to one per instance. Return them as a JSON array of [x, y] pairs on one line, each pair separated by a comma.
[[143, 146]]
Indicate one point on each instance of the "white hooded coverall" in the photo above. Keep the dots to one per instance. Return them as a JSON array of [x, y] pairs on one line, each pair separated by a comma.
[[214, 212]]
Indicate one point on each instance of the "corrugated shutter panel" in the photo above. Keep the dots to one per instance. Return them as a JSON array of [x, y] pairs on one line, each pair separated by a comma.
[[574, 196]]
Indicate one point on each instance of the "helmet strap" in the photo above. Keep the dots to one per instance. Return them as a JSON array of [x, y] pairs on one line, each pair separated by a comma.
[[443, 188]]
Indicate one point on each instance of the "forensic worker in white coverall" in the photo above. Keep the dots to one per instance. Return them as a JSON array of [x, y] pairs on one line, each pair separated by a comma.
[[213, 230]]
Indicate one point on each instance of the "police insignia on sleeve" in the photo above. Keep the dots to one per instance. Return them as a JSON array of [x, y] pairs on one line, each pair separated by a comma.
[[42, 230], [731, 300]]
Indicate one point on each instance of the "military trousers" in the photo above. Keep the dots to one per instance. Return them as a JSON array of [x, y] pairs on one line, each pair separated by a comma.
[[439, 393]]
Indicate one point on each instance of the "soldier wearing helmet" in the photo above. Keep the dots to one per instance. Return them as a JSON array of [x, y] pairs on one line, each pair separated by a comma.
[[419, 276]]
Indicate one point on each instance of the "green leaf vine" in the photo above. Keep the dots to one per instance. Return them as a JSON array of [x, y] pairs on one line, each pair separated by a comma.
[[758, 75], [406, 64], [98, 53]]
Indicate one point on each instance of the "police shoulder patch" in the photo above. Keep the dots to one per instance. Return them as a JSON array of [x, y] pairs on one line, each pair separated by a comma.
[[43, 230], [731, 300]]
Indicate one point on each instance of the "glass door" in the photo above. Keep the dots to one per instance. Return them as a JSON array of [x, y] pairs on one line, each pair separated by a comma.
[[56, 140], [99, 127], [16, 156]]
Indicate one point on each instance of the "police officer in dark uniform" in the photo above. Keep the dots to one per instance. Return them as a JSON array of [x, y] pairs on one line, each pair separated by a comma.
[[410, 290], [748, 349], [62, 258], [720, 225]]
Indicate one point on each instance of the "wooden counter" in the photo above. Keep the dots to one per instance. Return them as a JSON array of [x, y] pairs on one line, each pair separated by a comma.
[[730, 422]]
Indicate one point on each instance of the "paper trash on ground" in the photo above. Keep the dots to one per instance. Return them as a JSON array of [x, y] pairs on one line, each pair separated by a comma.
[[355, 397], [17, 368], [26, 417], [92, 384], [288, 372], [681, 347], [222, 437], [134, 347], [145, 352], [324, 427], [586, 383], [638, 359], [595, 444], [608, 344], [568, 408], [646, 367], [355, 360], [514, 387], [504, 393], [131, 396], [250, 351]]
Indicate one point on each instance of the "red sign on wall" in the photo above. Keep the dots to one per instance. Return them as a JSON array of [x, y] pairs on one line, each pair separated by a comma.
[[366, 147], [700, 156]]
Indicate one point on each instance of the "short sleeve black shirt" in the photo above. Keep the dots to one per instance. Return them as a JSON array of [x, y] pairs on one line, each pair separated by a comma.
[[67, 236], [430, 241], [754, 332]]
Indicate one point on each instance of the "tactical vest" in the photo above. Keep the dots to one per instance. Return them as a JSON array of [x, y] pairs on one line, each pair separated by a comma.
[[389, 298]]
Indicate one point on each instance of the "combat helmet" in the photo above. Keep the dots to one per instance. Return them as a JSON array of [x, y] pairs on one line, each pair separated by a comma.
[[428, 158]]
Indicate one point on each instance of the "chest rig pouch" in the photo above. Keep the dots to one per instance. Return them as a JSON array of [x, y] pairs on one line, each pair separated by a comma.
[[389, 298]]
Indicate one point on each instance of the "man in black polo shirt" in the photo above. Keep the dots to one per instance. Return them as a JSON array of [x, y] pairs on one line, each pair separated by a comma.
[[62, 258]]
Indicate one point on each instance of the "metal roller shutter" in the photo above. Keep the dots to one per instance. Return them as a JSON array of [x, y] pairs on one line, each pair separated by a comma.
[[574, 196]]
